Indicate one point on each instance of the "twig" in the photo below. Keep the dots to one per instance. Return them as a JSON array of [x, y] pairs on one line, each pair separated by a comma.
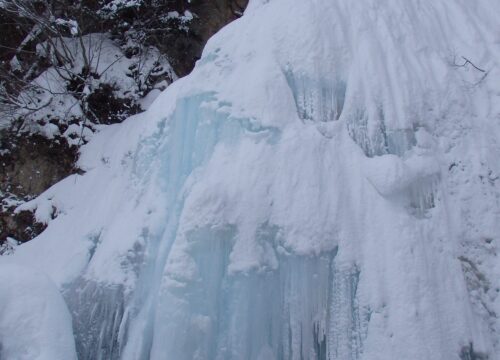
[[467, 61]]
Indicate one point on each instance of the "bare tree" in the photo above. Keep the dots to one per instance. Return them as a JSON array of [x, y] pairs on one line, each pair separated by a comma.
[[45, 45]]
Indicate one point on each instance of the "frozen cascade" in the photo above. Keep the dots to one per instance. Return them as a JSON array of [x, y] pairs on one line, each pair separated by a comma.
[[98, 317], [324, 185], [317, 100]]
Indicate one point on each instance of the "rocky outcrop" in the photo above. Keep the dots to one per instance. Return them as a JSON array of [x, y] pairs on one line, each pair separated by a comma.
[[32, 163], [185, 47], [29, 165]]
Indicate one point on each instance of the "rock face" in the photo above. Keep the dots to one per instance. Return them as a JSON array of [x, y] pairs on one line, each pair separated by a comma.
[[34, 163], [185, 47], [182, 31], [32, 159], [30, 164]]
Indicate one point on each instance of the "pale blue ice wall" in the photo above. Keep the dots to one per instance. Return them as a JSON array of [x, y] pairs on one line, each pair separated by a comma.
[[304, 307]]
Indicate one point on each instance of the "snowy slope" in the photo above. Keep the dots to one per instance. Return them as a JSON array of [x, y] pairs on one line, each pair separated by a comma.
[[324, 185]]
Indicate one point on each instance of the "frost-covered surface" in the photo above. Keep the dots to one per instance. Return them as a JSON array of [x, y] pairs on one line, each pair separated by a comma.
[[323, 185], [35, 323]]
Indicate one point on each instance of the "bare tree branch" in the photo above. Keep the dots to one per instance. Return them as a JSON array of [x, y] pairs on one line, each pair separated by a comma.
[[467, 61]]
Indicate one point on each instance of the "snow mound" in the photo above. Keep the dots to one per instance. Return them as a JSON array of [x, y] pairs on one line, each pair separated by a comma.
[[35, 323]]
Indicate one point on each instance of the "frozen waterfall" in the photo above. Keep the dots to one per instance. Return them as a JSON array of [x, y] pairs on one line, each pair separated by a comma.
[[324, 185]]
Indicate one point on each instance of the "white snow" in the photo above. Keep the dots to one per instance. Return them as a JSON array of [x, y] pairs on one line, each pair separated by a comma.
[[48, 98], [35, 323], [323, 185]]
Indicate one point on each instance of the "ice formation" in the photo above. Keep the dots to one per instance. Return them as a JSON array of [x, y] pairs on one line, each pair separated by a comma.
[[324, 185]]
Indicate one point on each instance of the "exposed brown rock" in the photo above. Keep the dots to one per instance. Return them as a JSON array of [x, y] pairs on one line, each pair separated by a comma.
[[29, 165], [185, 47], [20, 226]]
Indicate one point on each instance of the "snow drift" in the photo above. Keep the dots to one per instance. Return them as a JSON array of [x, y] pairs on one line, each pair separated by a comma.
[[324, 185], [35, 323]]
